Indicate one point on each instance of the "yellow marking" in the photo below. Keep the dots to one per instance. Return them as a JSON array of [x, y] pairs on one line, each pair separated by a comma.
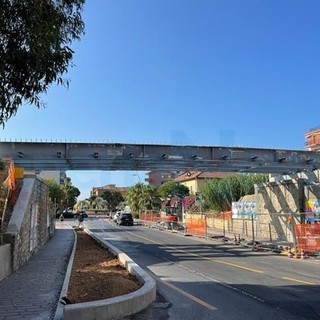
[[238, 266], [145, 238], [199, 256], [297, 280], [190, 296]]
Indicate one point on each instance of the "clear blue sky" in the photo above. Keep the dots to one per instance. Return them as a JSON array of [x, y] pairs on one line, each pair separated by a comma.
[[200, 72]]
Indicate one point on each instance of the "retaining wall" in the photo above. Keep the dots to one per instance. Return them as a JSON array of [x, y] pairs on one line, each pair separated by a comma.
[[6, 261], [31, 223]]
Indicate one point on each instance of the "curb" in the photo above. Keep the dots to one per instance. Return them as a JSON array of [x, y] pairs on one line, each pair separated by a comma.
[[112, 308], [64, 290]]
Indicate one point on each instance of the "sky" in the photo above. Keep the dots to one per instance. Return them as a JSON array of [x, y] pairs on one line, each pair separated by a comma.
[[189, 72]]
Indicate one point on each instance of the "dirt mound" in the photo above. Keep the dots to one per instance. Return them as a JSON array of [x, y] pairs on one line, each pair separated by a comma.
[[96, 273]]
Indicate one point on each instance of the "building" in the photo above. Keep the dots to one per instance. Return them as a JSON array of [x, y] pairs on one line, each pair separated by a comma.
[[195, 180], [312, 139], [59, 176], [157, 178], [98, 191]]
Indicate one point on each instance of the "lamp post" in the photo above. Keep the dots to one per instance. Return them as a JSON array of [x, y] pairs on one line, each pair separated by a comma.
[[137, 175]]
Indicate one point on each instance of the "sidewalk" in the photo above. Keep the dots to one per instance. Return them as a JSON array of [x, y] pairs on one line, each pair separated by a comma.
[[33, 291], [275, 246]]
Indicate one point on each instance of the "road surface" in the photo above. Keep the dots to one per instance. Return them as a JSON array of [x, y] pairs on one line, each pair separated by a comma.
[[208, 279]]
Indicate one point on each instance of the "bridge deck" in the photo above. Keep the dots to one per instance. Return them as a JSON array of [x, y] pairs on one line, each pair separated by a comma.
[[149, 157]]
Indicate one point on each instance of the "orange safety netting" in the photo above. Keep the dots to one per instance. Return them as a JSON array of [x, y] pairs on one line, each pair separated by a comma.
[[10, 180], [150, 216], [196, 226], [226, 215], [308, 237]]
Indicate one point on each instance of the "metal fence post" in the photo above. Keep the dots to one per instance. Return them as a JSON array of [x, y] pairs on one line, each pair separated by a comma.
[[294, 234], [224, 227], [253, 240], [270, 235], [206, 225]]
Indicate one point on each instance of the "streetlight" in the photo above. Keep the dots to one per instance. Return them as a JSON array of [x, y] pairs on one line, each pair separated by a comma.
[[137, 175]]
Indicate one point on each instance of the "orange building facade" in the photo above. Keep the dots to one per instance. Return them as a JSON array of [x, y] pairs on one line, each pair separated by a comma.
[[312, 139]]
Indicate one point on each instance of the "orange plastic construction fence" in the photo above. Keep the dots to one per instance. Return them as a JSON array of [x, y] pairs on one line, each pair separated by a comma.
[[150, 216], [226, 215], [10, 181], [308, 237], [196, 225]]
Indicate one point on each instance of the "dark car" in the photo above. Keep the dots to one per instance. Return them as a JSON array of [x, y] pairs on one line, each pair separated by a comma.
[[125, 219], [83, 213]]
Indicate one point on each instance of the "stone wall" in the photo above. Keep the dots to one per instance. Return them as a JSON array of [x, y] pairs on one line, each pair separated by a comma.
[[6, 261], [279, 205], [32, 221]]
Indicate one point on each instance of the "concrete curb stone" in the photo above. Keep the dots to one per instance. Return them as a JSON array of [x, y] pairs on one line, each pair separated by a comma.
[[113, 308]]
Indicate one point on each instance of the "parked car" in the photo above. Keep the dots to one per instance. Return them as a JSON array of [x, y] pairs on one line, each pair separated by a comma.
[[83, 213], [125, 219], [65, 214]]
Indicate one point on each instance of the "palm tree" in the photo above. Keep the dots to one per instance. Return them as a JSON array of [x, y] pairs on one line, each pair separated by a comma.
[[70, 194], [134, 197], [142, 197], [150, 199], [83, 205], [99, 204]]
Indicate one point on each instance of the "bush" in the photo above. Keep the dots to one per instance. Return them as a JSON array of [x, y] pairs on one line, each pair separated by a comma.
[[135, 215]]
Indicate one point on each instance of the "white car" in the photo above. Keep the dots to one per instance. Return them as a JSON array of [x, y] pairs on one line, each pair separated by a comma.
[[115, 217]]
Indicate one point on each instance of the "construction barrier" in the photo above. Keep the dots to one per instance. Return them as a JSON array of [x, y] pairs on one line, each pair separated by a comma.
[[196, 225], [160, 220], [308, 237], [305, 236], [10, 180], [150, 218]]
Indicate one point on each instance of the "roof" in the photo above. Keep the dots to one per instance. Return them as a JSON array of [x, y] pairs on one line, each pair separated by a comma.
[[111, 187], [192, 175]]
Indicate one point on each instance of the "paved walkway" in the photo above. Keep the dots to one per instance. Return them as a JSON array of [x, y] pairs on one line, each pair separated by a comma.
[[33, 291]]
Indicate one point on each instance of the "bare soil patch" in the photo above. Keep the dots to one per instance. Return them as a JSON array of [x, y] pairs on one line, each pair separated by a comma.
[[96, 273]]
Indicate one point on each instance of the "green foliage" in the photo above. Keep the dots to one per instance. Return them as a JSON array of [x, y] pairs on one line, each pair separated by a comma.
[[218, 194], [63, 196], [83, 205], [150, 198], [142, 197], [55, 191], [173, 188], [99, 203], [70, 194], [133, 197], [113, 198], [35, 38]]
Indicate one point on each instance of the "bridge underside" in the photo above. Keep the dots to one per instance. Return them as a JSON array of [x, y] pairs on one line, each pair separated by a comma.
[[148, 157]]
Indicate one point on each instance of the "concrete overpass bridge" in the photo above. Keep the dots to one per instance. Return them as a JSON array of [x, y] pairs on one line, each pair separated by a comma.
[[155, 157]]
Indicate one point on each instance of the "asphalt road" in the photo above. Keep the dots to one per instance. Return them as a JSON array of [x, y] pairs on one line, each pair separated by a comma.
[[208, 279]]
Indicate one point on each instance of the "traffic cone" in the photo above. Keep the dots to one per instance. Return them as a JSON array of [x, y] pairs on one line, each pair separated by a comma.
[[290, 255]]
